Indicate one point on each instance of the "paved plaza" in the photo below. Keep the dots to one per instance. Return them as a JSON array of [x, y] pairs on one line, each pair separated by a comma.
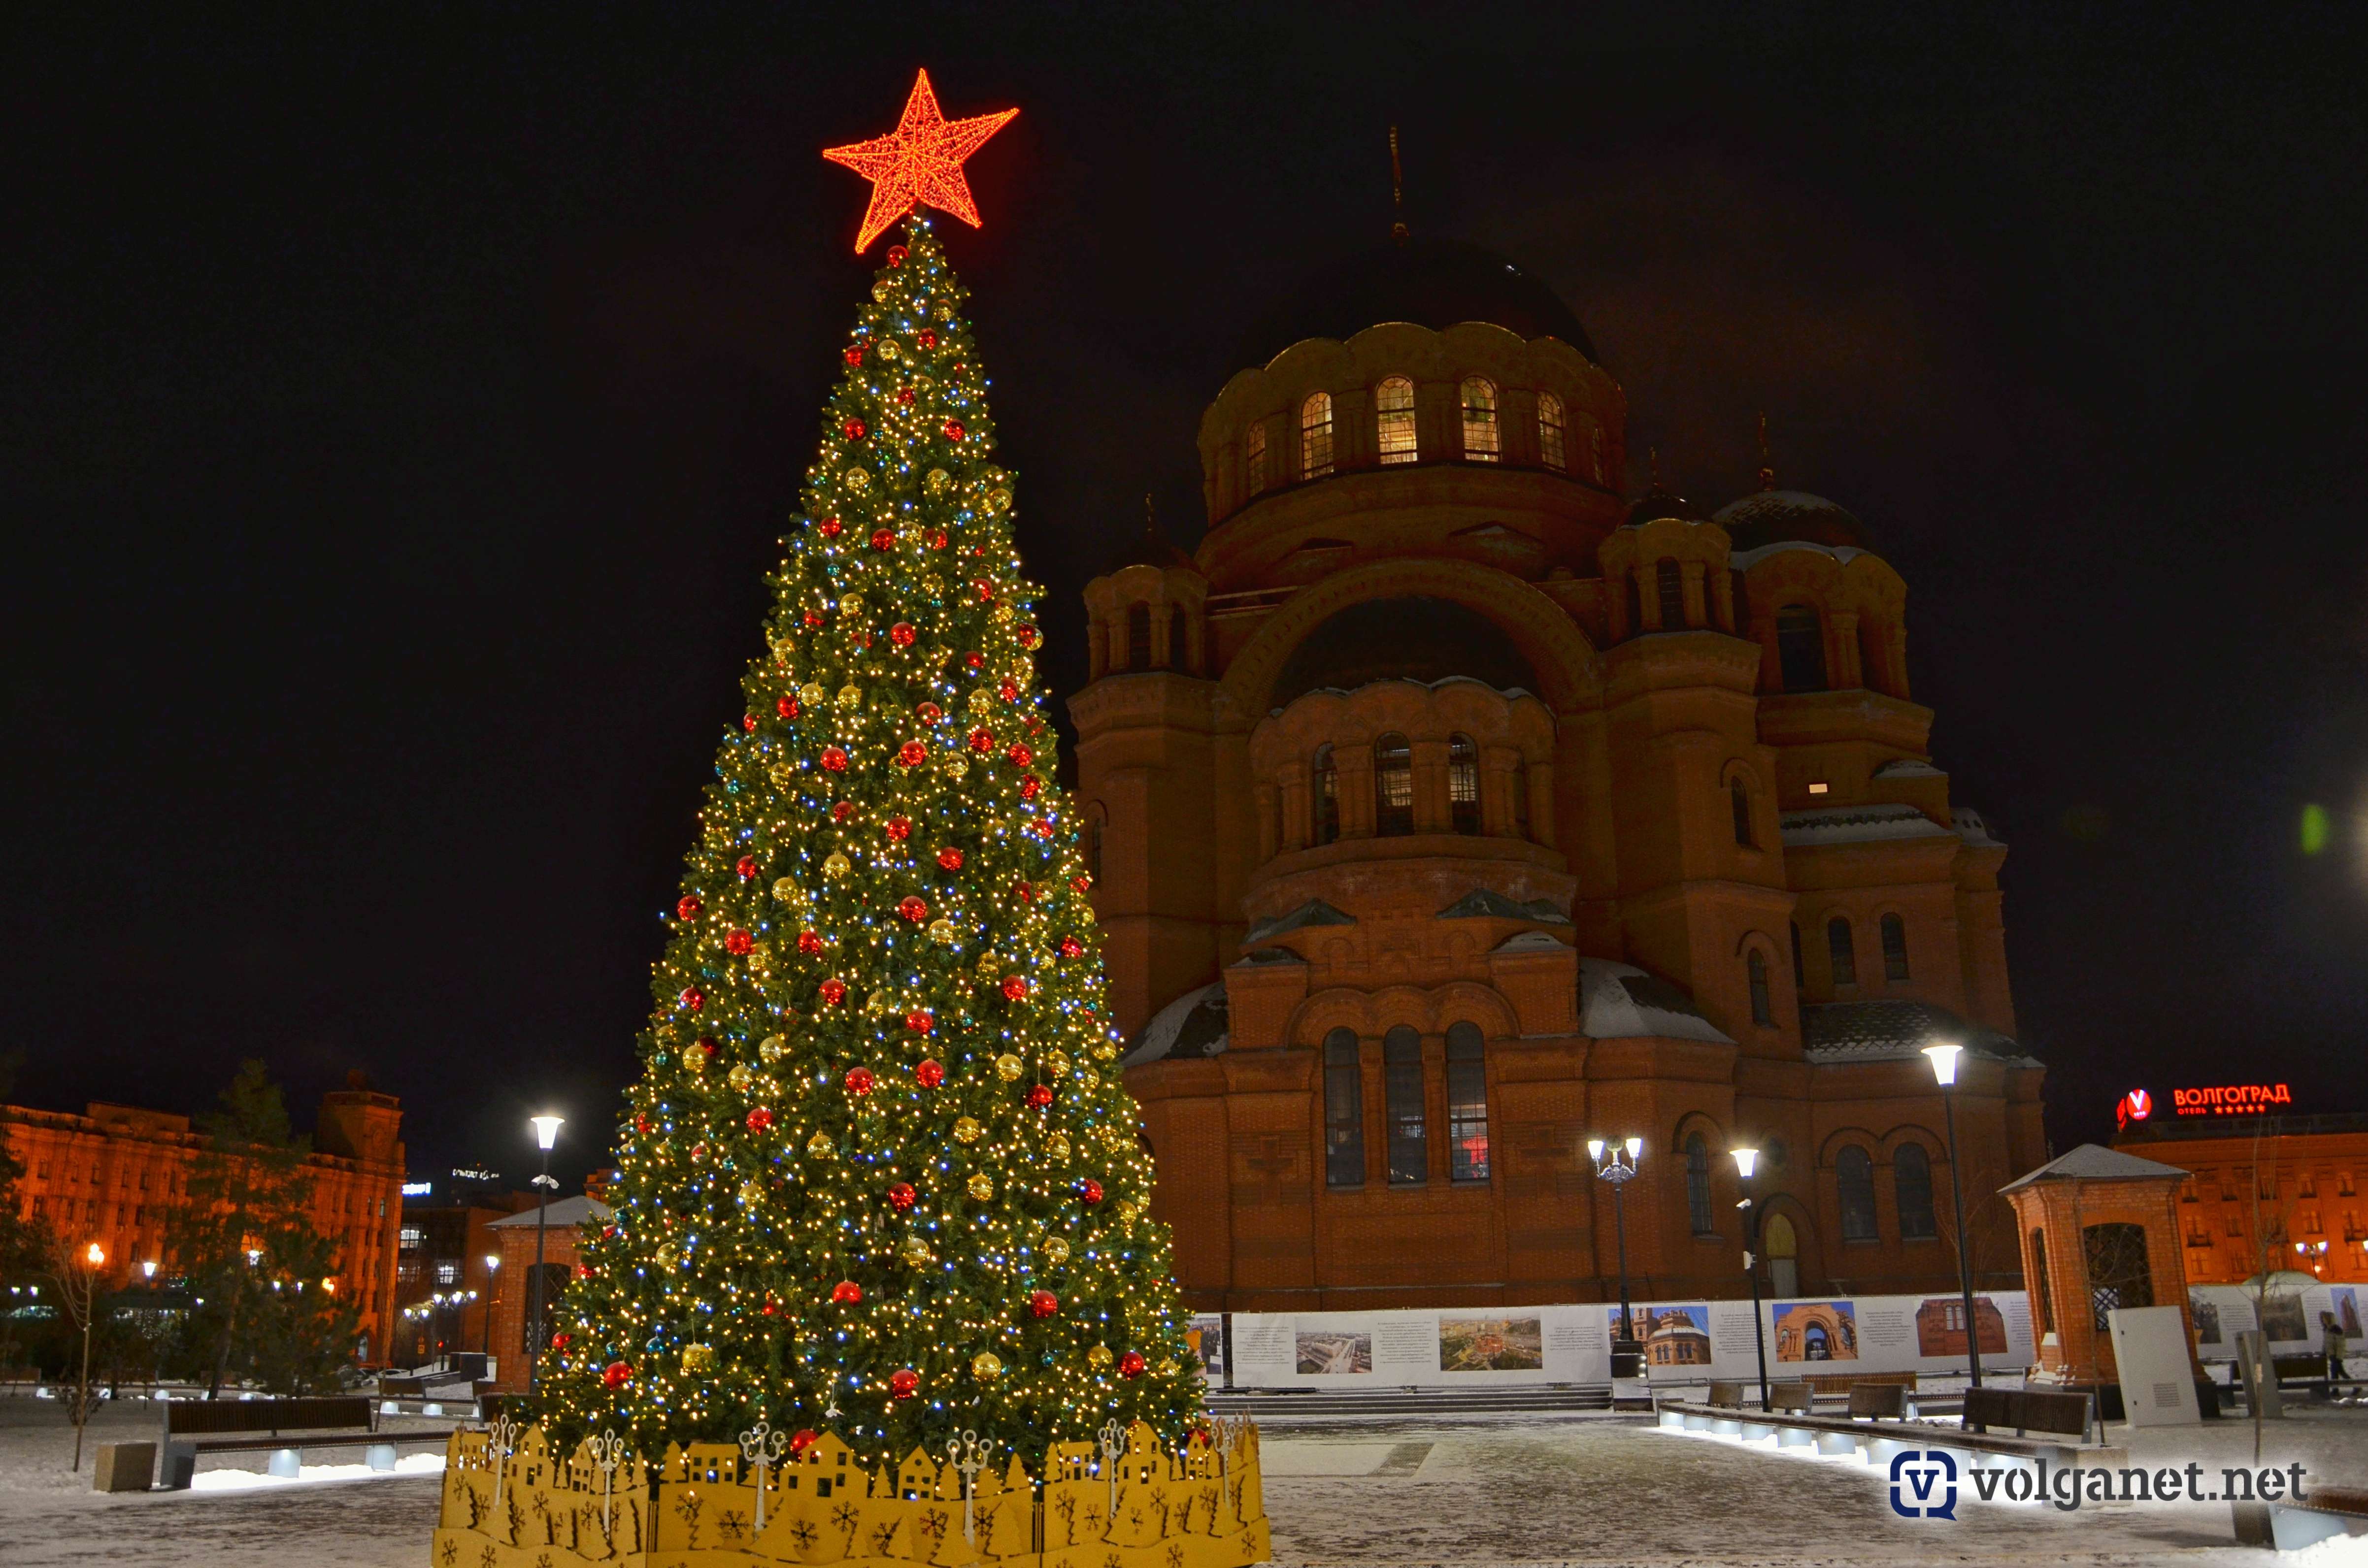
[[1570, 1491]]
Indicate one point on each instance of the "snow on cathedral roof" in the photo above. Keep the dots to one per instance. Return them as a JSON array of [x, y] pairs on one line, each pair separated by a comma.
[[1617, 1001], [1856, 824]]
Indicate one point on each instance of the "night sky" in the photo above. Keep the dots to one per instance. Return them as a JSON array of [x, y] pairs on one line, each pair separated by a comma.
[[396, 420]]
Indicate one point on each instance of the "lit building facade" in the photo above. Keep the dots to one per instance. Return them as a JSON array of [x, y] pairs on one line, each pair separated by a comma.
[[2281, 1190], [1446, 808], [114, 1173]]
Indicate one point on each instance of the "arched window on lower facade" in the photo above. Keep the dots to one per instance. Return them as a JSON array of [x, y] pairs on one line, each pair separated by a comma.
[[1551, 450], [1698, 1186], [1344, 1111], [1842, 950], [1316, 436], [1854, 1184], [1911, 1187], [1254, 460], [1392, 786], [1326, 789], [1095, 828], [2119, 1272], [2042, 1297], [1463, 782], [1670, 580], [1480, 444], [1895, 947], [1801, 648], [1738, 800], [1402, 1102], [1467, 1103], [1179, 640], [1138, 637], [1763, 1007]]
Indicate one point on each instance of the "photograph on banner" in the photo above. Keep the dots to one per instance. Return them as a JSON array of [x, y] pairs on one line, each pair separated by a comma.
[[1676, 1335], [1940, 1326], [1205, 1337], [2289, 1311], [1328, 1352], [2343, 1301], [1491, 1345], [1815, 1331]]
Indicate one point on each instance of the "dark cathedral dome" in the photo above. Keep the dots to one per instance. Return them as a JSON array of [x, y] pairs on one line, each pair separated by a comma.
[[1775, 517], [1430, 282]]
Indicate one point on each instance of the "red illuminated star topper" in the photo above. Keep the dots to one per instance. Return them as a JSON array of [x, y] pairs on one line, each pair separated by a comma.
[[921, 161]]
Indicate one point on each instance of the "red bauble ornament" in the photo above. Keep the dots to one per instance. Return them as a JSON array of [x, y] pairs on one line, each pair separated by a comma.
[[1081, 882], [882, 539], [855, 355], [1030, 786], [1009, 692], [831, 528], [833, 759], [559, 1340], [772, 1307], [905, 396], [748, 722], [896, 255], [1023, 892], [617, 1375], [1041, 1096], [1071, 946], [974, 661], [760, 1119], [901, 634], [787, 707], [833, 991], [1027, 636], [1043, 1303], [1132, 1364], [937, 539], [1090, 1191], [692, 997], [899, 829], [1021, 754], [954, 431], [642, 1125], [841, 811], [912, 754], [929, 1072], [905, 1382], [902, 1197], [801, 1440], [687, 907], [982, 741], [697, 1153], [707, 1044], [737, 943], [920, 1020], [809, 942], [853, 429], [1015, 988], [985, 596], [913, 908], [859, 1081], [951, 860], [846, 1294], [930, 713], [926, 337], [745, 866]]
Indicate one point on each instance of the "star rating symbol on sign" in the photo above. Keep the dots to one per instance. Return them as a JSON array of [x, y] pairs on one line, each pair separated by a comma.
[[920, 162]]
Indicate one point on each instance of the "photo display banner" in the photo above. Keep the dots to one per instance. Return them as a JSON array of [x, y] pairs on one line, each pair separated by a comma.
[[1682, 1341], [2296, 1316]]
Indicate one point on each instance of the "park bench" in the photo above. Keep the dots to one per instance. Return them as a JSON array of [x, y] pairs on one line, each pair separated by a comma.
[[1880, 1436], [2330, 1511], [281, 1427], [2027, 1411]]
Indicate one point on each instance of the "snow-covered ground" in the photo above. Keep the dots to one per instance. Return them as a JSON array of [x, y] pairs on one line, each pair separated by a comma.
[[1538, 1492]]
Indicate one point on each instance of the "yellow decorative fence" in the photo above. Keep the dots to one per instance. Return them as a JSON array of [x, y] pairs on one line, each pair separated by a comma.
[[1128, 1502]]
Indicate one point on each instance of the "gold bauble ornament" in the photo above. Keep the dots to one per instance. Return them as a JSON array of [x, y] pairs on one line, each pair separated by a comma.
[[886, 349], [1057, 1146], [967, 1129], [836, 866], [1168, 1367], [937, 481], [786, 890], [942, 932], [851, 602], [774, 1048], [1004, 614], [1099, 1356], [878, 1002], [985, 1367], [956, 764], [818, 1147], [1055, 1064], [1091, 1078], [856, 479], [917, 1254], [1023, 670], [782, 774], [981, 1187], [760, 959], [988, 966], [812, 695], [1057, 1250], [1107, 1050], [850, 695], [880, 292], [998, 501], [751, 1193], [698, 1359], [1009, 1067], [1126, 1213], [981, 700], [664, 1256], [741, 1076]]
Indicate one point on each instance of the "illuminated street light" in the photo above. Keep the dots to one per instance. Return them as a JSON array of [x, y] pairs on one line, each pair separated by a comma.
[[1943, 1055], [1747, 1159]]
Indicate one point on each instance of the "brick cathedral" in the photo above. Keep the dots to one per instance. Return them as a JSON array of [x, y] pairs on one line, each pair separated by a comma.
[[1448, 809]]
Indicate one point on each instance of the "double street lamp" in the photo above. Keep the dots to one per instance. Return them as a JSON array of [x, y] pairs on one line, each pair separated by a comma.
[[1616, 1163], [546, 1133], [1944, 1056]]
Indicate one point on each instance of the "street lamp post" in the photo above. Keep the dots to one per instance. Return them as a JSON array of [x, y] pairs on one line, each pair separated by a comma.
[[546, 1133], [1943, 1057], [1616, 1163], [94, 1258], [492, 1262], [1745, 1162]]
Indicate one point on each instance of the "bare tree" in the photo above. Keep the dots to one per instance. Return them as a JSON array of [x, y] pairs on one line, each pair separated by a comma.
[[76, 1273]]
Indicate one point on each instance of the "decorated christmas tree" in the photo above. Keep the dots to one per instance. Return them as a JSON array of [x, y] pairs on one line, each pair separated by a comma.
[[880, 1177]]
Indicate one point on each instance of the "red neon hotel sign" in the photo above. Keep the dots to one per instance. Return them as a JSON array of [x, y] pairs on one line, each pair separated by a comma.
[[2231, 1099]]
